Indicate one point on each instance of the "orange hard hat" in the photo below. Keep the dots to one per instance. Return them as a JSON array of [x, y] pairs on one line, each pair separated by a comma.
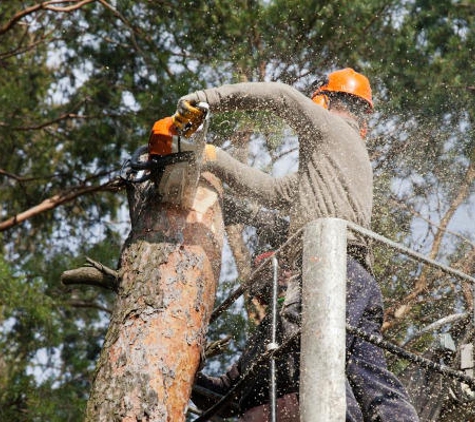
[[345, 81], [161, 138]]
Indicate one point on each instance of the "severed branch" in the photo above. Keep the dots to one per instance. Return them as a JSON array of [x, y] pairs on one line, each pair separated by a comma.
[[94, 274]]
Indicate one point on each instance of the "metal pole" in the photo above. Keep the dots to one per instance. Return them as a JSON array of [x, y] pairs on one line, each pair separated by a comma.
[[322, 360], [273, 344]]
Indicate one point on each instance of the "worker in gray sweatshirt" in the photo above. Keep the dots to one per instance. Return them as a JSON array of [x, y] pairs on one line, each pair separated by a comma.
[[334, 179]]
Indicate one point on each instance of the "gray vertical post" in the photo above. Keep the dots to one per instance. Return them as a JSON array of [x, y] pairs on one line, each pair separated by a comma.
[[273, 344], [322, 360]]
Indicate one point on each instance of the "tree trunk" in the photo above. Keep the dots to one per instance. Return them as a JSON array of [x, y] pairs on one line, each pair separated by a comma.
[[169, 270]]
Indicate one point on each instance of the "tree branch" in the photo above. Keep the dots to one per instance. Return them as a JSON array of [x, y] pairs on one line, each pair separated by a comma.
[[422, 283], [51, 122], [217, 347], [57, 200], [47, 5], [95, 274], [84, 304]]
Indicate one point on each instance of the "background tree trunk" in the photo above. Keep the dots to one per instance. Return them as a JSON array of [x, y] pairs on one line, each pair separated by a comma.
[[169, 270]]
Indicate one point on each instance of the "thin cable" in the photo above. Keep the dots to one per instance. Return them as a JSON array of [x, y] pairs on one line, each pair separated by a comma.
[[413, 254], [402, 353]]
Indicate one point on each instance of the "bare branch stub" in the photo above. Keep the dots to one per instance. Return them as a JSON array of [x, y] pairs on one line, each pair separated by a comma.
[[91, 276]]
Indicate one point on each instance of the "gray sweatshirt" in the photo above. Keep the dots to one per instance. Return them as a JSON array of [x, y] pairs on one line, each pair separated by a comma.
[[334, 177]]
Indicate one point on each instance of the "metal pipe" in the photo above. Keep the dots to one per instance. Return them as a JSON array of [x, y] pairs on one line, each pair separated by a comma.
[[273, 344], [322, 367]]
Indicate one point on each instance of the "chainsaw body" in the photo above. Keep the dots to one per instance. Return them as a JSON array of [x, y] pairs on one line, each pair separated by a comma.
[[172, 161]]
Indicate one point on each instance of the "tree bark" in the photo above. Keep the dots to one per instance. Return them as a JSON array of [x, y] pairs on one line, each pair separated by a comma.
[[169, 270]]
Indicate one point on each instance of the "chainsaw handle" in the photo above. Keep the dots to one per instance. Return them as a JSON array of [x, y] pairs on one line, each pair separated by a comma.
[[189, 117], [204, 106], [135, 162]]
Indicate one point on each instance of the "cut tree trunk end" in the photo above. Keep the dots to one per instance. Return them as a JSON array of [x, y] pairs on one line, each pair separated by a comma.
[[169, 271]]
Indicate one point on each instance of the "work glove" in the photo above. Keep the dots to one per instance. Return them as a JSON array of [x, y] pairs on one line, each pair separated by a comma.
[[189, 116], [209, 153]]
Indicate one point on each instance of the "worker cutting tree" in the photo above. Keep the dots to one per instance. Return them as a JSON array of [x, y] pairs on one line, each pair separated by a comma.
[[334, 179]]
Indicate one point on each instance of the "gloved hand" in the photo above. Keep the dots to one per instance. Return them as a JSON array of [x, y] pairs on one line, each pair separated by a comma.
[[189, 116], [209, 153]]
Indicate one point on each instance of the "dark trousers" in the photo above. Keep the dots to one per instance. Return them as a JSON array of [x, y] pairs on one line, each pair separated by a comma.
[[376, 391]]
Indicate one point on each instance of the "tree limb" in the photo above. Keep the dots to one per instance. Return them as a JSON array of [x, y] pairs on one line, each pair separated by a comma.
[[422, 283], [57, 200], [39, 126], [96, 274], [84, 304], [217, 347], [46, 5]]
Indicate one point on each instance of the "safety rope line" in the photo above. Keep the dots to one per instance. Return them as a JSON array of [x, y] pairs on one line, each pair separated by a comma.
[[407, 251], [273, 342]]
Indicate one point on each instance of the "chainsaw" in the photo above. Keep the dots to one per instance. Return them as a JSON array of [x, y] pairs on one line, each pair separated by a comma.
[[171, 159]]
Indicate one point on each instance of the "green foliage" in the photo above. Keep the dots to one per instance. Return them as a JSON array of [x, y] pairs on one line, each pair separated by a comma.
[[49, 344], [80, 90]]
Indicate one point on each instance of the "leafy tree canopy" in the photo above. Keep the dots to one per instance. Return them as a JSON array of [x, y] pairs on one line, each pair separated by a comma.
[[81, 83]]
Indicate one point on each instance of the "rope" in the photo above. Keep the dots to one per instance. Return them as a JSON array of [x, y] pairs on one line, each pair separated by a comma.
[[273, 343]]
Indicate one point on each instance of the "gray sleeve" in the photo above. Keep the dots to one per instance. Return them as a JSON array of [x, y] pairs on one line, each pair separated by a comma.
[[276, 193], [297, 110], [283, 100], [272, 228]]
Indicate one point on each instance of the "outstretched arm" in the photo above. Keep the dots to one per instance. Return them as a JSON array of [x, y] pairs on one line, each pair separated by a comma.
[[284, 101], [304, 116], [275, 193]]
